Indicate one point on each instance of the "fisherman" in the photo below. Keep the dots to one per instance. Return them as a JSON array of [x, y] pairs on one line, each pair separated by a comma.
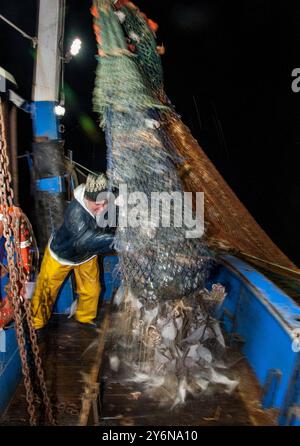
[[74, 247]]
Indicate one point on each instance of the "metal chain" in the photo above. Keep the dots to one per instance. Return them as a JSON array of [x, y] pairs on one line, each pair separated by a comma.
[[38, 363], [6, 200], [64, 407], [24, 277], [17, 283]]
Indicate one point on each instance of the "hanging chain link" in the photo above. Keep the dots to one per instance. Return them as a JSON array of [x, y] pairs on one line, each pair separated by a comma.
[[38, 364], [17, 283]]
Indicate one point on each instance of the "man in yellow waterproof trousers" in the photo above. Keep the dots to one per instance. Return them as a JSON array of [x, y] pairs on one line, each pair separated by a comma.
[[75, 246]]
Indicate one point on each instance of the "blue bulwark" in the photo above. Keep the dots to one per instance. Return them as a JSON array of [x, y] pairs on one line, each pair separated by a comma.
[[44, 119], [264, 319], [10, 367]]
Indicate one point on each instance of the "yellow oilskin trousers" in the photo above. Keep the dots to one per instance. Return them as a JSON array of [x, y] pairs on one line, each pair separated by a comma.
[[50, 279]]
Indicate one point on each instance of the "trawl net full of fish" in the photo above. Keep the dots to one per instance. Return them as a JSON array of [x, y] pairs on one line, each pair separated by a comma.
[[164, 324]]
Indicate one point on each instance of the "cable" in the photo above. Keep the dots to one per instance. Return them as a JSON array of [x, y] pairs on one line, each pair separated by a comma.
[[80, 165], [33, 39], [80, 171], [272, 263]]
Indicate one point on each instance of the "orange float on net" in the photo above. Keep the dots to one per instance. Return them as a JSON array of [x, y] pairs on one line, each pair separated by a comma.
[[95, 12]]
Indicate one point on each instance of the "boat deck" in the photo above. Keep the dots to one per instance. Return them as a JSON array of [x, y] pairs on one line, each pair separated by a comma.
[[67, 366]]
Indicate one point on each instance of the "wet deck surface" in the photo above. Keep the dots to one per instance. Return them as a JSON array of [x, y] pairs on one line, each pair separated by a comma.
[[61, 349], [126, 406], [64, 364]]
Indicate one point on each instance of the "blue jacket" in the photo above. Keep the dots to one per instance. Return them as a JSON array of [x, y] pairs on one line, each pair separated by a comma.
[[79, 238]]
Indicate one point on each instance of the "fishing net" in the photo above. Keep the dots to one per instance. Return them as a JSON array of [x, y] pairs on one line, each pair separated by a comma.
[[229, 226], [163, 271], [156, 262]]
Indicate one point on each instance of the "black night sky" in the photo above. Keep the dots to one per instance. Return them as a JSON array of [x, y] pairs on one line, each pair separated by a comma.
[[228, 66]]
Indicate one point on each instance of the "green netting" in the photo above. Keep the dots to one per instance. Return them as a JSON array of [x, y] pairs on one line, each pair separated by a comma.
[[119, 82]]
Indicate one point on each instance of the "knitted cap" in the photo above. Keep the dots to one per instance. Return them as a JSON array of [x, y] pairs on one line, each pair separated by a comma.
[[94, 185]]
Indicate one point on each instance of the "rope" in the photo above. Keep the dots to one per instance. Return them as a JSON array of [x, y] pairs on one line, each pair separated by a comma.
[[80, 165], [272, 263]]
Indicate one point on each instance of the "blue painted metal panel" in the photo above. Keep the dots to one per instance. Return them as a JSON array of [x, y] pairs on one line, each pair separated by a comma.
[[290, 411], [270, 388], [44, 119], [264, 317], [109, 281], [65, 297], [3, 260], [52, 185], [10, 369]]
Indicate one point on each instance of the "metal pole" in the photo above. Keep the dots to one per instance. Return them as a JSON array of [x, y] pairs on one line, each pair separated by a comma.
[[48, 159]]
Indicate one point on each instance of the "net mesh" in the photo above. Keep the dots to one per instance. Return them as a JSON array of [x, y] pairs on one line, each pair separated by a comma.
[[134, 81], [155, 261]]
